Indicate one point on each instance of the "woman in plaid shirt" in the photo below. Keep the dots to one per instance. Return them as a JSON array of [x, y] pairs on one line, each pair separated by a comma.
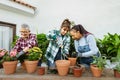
[[59, 44], [27, 40]]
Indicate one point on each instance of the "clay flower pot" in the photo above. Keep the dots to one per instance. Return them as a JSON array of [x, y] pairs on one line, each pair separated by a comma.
[[31, 66], [9, 67], [96, 71], [77, 71], [116, 74], [72, 61], [62, 67], [23, 66], [41, 70]]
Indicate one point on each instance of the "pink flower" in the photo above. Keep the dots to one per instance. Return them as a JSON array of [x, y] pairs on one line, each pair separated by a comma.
[[2, 53], [13, 53]]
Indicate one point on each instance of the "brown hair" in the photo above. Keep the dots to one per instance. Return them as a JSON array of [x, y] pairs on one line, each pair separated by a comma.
[[66, 23]]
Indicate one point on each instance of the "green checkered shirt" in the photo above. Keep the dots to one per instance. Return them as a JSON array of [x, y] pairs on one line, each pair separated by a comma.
[[56, 39]]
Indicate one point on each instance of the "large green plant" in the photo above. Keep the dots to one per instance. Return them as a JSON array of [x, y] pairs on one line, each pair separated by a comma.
[[110, 45], [42, 44]]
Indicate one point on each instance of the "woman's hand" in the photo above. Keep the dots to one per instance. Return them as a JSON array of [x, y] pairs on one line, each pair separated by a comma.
[[26, 49]]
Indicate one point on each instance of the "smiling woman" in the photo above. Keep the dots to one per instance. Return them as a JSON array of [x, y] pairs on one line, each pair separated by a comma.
[[59, 42], [24, 31], [85, 44]]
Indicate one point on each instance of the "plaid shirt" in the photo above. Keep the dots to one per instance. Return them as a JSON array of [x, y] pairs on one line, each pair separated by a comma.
[[30, 42], [54, 44]]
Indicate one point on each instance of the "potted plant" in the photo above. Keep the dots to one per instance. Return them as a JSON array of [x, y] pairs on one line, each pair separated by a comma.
[[77, 71], [73, 59], [34, 54], [41, 70], [109, 45], [9, 61], [117, 69], [98, 65], [62, 67], [42, 44]]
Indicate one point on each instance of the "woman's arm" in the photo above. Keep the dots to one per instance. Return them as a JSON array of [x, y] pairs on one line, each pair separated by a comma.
[[92, 45], [76, 45]]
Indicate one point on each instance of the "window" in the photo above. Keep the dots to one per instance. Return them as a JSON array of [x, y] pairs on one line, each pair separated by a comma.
[[7, 32]]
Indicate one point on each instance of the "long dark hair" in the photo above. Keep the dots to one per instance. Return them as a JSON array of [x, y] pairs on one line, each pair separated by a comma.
[[66, 23], [81, 29]]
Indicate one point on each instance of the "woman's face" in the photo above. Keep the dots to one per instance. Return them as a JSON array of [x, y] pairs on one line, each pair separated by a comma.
[[24, 33], [75, 34], [64, 30]]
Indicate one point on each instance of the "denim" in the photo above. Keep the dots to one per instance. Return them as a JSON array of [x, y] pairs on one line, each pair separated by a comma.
[[58, 57], [83, 49], [85, 60], [39, 62]]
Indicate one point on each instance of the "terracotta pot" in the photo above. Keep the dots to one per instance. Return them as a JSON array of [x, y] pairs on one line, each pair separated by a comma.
[[96, 71], [62, 67], [78, 65], [116, 74], [23, 66], [31, 66], [41, 70], [72, 61], [77, 71], [9, 67]]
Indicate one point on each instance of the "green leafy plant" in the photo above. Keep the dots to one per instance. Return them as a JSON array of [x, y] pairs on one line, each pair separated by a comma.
[[34, 53], [110, 45], [72, 49], [117, 67], [42, 44], [99, 62], [14, 41], [74, 54], [6, 56]]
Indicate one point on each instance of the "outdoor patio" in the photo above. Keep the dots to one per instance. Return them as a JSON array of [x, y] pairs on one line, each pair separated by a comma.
[[23, 75]]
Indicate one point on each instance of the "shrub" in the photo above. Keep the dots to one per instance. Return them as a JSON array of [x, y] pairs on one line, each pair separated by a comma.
[[110, 45], [42, 44]]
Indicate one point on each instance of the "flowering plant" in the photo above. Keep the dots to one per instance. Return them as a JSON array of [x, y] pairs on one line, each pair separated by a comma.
[[34, 53], [6, 56]]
